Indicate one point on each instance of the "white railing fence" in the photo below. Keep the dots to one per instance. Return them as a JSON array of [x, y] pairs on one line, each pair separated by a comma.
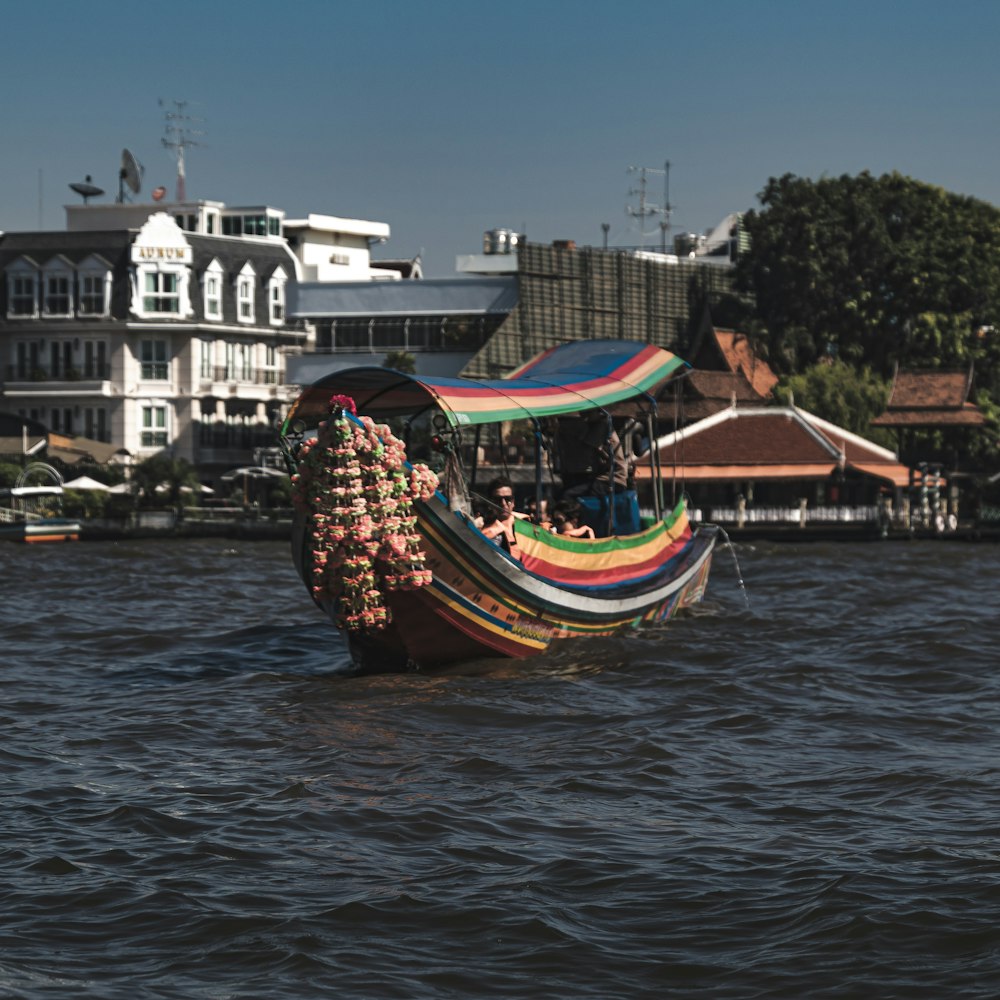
[[863, 514]]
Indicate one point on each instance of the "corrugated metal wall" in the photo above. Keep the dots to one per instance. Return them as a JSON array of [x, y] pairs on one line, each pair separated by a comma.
[[588, 293]]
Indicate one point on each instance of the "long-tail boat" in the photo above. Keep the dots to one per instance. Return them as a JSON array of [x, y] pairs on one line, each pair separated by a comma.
[[392, 552]]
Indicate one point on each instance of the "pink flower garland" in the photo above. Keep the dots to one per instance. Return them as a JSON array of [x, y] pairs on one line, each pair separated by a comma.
[[354, 486]]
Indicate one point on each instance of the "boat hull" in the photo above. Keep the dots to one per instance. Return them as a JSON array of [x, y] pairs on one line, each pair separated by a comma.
[[481, 603], [51, 529]]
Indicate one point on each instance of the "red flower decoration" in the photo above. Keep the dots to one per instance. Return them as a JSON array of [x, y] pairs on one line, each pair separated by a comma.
[[342, 403], [353, 484]]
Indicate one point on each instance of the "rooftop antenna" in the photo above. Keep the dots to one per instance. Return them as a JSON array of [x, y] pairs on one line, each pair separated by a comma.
[[129, 174], [86, 189], [179, 135], [646, 209]]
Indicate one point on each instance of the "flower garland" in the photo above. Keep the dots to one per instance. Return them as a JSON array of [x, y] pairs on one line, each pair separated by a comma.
[[355, 487]]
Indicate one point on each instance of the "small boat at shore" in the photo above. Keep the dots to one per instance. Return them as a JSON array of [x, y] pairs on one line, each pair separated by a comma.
[[42, 529], [395, 554], [30, 513]]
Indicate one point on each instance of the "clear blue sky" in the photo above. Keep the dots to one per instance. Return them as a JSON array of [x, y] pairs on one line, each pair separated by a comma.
[[447, 118]]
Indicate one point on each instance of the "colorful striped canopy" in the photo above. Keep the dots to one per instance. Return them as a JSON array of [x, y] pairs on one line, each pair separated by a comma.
[[571, 378]]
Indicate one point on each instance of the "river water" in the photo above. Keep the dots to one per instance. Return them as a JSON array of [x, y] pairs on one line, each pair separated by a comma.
[[799, 798]]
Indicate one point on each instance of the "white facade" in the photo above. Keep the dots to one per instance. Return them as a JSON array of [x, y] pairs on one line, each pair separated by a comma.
[[144, 347], [164, 327], [333, 249]]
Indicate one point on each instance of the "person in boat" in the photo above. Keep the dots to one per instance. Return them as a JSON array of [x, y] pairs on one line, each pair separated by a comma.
[[536, 511], [592, 457], [566, 521], [499, 520]]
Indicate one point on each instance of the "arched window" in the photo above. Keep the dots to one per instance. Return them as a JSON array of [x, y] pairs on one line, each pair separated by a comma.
[[93, 287], [246, 287], [276, 297], [213, 290]]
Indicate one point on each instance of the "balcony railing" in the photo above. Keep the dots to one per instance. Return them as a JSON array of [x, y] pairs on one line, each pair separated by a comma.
[[225, 436], [43, 373], [247, 376]]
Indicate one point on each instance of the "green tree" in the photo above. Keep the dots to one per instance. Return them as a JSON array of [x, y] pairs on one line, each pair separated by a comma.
[[401, 361], [837, 392], [9, 471], [170, 473], [279, 493], [875, 271], [84, 503]]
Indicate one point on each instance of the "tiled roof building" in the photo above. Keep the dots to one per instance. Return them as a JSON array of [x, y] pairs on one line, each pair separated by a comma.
[[727, 371], [926, 399], [754, 444]]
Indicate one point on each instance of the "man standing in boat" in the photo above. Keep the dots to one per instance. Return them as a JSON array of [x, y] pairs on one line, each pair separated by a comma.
[[591, 455]]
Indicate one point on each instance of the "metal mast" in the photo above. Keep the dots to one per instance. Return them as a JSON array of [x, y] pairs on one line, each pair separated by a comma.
[[179, 135], [646, 209]]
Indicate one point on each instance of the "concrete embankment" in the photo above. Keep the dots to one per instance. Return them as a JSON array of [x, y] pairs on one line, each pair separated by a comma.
[[263, 525]]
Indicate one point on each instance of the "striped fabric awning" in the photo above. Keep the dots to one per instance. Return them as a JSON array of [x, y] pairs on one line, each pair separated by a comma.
[[571, 378]]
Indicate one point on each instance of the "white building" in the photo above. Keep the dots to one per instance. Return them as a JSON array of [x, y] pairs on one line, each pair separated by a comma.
[[155, 327], [333, 249]]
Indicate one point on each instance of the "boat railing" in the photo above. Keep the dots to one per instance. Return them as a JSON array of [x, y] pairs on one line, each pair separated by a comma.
[[10, 516]]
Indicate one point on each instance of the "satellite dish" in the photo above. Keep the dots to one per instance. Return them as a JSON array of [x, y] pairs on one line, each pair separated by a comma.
[[130, 174], [86, 189]]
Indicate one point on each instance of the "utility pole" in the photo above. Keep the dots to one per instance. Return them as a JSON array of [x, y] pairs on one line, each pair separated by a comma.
[[646, 209], [179, 136]]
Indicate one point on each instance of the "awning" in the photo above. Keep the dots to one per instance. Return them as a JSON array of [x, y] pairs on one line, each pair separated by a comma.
[[571, 378], [804, 470], [253, 472], [34, 491], [85, 483]]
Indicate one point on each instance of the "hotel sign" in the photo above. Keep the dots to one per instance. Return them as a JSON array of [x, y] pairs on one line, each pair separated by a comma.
[[158, 255]]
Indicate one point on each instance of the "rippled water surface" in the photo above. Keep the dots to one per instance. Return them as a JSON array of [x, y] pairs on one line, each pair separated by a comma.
[[797, 799]]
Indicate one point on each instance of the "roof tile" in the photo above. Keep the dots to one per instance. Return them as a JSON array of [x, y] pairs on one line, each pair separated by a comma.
[[929, 390], [739, 355]]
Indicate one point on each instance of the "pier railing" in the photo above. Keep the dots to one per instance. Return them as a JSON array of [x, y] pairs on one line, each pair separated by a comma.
[[801, 515]]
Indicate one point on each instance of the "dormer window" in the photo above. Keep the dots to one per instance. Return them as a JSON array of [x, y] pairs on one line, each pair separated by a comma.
[[22, 289], [57, 288], [23, 295], [161, 293], [161, 256], [276, 297], [93, 280], [93, 300], [213, 291], [57, 297], [246, 282]]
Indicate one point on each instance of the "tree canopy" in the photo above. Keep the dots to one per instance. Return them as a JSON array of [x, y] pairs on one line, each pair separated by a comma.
[[874, 271], [172, 474], [841, 394]]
